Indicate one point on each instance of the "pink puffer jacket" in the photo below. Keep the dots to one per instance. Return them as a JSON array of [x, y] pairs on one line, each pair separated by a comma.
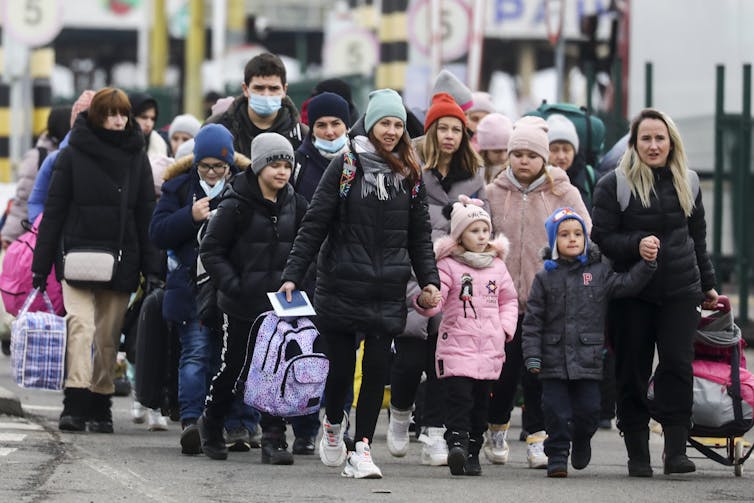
[[520, 214], [473, 333]]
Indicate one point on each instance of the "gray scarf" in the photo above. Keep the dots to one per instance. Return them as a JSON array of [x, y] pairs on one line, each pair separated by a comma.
[[379, 178], [477, 260]]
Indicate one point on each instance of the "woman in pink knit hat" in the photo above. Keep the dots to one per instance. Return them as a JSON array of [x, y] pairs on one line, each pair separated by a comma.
[[492, 135], [521, 198]]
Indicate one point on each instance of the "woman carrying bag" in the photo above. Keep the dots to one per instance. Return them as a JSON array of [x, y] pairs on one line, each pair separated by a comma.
[[95, 231]]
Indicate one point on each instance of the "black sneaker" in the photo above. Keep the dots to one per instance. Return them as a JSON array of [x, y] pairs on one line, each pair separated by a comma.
[[191, 442], [472, 466], [275, 452], [237, 439], [303, 446], [581, 454], [557, 469], [211, 435]]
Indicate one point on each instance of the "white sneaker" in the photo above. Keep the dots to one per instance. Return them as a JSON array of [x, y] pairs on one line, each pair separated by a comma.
[[138, 412], [535, 450], [332, 448], [496, 445], [435, 448], [397, 432], [156, 421], [359, 464]]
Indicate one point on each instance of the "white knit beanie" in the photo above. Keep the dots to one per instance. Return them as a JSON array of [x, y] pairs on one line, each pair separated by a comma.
[[562, 129], [184, 123]]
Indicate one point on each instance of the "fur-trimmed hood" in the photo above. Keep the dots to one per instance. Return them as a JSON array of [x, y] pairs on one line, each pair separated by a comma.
[[446, 246], [184, 164], [593, 253]]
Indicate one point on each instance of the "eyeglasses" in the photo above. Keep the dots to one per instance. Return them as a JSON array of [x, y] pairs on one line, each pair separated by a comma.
[[217, 168]]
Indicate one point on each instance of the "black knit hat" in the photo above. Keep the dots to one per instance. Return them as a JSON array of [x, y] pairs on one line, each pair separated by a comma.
[[58, 123]]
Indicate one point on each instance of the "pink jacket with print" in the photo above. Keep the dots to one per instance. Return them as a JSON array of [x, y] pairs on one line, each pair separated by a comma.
[[520, 214], [473, 333]]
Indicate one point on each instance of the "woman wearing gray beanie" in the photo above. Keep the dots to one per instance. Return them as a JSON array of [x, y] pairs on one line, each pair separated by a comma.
[[370, 211]]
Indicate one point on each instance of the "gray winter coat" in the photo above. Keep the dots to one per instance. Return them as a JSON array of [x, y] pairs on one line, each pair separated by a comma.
[[565, 315]]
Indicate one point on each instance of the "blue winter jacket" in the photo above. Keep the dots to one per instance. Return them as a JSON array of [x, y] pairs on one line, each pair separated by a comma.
[[36, 203]]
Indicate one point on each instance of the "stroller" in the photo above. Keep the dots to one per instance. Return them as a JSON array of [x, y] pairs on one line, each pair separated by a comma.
[[723, 390]]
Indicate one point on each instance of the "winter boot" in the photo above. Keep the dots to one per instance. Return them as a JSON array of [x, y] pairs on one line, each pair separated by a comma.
[[75, 407], [674, 458], [458, 451], [637, 447], [274, 448], [472, 466], [211, 435], [101, 416]]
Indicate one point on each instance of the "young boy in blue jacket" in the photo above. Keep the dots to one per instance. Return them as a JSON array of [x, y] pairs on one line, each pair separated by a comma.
[[563, 335]]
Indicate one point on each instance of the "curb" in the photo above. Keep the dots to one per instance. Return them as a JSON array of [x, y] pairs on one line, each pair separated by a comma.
[[9, 403]]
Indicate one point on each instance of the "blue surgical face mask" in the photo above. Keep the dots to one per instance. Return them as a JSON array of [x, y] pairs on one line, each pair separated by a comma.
[[330, 146], [265, 105], [212, 192]]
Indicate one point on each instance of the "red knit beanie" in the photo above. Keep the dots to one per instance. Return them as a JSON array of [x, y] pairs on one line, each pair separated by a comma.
[[443, 105]]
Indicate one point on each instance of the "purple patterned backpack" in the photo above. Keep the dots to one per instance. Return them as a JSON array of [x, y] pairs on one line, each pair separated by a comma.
[[288, 369]]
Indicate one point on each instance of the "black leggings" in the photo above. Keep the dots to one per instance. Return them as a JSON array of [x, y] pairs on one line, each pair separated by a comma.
[[341, 351], [637, 326], [412, 357], [504, 389], [223, 389]]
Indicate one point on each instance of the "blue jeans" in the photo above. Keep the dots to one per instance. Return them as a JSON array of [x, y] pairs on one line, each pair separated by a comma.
[[242, 415], [200, 358]]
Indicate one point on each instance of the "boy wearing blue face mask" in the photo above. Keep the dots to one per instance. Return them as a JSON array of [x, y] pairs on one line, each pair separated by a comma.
[[264, 106], [329, 120], [191, 192]]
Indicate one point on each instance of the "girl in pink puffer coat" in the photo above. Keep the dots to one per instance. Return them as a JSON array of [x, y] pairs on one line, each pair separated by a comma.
[[480, 312]]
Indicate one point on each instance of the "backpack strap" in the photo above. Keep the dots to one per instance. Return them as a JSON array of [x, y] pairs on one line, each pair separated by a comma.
[[591, 180], [623, 191], [588, 150]]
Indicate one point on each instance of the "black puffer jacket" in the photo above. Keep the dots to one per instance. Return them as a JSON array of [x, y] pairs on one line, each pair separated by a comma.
[[565, 314], [236, 119], [684, 270], [366, 260], [84, 200], [247, 243]]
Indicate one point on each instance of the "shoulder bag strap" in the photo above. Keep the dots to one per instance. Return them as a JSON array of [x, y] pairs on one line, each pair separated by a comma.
[[123, 211]]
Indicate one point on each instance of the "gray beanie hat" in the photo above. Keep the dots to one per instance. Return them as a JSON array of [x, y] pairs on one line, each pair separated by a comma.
[[446, 82], [185, 123], [562, 129], [267, 148]]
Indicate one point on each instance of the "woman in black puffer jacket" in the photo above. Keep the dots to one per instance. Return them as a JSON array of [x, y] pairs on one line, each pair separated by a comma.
[[664, 219], [104, 160], [372, 217]]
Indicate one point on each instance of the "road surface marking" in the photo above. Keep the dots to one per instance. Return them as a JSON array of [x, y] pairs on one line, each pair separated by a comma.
[[4, 451], [12, 437]]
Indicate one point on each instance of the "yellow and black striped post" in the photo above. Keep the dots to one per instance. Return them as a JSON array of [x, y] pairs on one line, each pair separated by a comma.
[[5, 171], [393, 37], [40, 66]]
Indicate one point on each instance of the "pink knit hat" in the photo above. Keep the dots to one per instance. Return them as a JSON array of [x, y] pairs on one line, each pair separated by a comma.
[[465, 212], [81, 104], [493, 132], [482, 103], [530, 133]]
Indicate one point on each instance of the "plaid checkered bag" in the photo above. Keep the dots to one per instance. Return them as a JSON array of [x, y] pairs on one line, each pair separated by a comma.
[[38, 347]]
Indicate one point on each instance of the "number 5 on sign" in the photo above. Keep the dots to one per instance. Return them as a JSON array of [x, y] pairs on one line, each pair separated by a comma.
[[33, 22], [455, 20]]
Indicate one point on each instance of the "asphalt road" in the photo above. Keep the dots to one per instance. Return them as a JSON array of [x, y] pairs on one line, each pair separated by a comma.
[[38, 463]]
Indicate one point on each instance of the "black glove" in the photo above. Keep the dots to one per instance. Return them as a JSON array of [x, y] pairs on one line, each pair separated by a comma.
[[39, 281], [153, 282]]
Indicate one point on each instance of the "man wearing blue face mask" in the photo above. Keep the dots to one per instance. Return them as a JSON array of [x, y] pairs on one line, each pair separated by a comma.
[[263, 107], [190, 194], [329, 120]]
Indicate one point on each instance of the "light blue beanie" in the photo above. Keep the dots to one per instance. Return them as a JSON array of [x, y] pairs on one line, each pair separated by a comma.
[[383, 103]]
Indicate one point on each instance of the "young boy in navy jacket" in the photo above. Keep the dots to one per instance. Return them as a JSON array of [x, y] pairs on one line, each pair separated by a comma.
[[563, 335]]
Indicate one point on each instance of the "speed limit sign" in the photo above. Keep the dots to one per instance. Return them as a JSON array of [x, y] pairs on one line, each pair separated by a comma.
[[353, 50], [33, 22], [455, 21]]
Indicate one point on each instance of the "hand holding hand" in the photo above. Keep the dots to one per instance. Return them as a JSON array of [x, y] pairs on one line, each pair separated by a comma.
[[288, 287], [200, 209], [430, 296], [649, 247]]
